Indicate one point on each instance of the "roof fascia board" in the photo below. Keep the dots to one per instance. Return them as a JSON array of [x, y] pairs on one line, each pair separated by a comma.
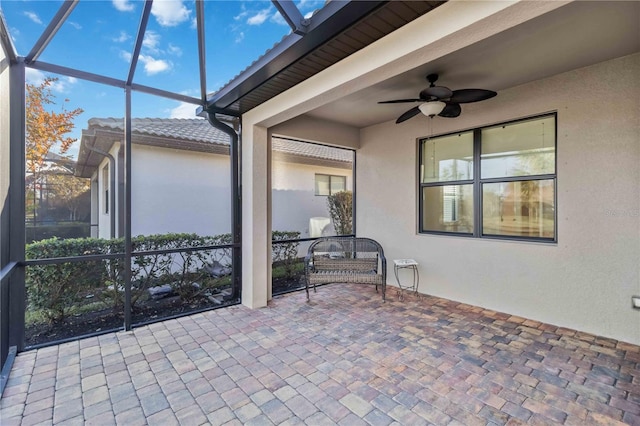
[[329, 21], [51, 30]]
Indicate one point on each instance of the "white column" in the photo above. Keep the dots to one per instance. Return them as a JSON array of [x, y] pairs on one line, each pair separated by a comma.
[[256, 234]]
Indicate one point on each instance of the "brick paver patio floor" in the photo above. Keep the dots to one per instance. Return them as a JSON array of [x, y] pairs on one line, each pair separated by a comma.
[[346, 358]]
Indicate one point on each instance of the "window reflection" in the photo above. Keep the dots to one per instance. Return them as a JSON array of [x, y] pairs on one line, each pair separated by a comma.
[[519, 149], [522, 208], [448, 158], [448, 208]]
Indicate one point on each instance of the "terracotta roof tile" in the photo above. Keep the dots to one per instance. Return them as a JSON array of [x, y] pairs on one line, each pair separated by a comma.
[[200, 130]]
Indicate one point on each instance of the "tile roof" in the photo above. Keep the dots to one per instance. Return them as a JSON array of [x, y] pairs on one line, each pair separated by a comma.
[[305, 149], [192, 129], [200, 130]]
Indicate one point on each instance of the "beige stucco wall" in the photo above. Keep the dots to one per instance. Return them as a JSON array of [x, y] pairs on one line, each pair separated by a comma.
[[293, 199], [179, 191], [586, 280]]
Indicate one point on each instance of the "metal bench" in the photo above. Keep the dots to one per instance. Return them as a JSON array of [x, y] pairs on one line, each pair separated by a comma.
[[345, 260]]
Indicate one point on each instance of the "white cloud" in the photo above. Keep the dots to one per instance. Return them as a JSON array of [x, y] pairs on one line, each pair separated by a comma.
[[259, 17], [183, 110], [154, 66], [240, 16], [122, 37], [14, 32], [151, 41], [174, 50], [194, 23], [240, 37], [33, 76], [123, 5], [278, 19], [33, 16], [309, 4], [62, 85], [170, 13], [75, 25], [125, 55]]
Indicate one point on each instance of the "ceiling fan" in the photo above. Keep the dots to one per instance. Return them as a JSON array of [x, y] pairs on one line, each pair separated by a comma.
[[440, 100]]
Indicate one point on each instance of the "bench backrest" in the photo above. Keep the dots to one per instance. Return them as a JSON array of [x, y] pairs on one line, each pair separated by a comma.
[[345, 253]]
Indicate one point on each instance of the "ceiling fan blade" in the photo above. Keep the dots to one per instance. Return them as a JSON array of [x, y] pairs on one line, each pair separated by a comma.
[[465, 96], [439, 92], [401, 101], [409, 114], [452, 110]]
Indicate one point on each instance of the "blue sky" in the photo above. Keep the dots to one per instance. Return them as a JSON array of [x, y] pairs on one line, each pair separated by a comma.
[[98, 37]]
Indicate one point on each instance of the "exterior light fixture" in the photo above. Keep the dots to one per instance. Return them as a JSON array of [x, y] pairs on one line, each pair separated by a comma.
[[432, 108], [635, 302]]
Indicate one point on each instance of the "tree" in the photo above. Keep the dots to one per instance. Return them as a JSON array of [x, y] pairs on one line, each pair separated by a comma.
[[340, 207], [68, 192], [44, 129]]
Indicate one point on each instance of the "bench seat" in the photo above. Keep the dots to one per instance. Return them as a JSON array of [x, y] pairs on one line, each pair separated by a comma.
[[345, 260]]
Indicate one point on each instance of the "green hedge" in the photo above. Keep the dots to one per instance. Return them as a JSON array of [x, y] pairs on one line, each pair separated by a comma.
[[285, 254], [57, 290]]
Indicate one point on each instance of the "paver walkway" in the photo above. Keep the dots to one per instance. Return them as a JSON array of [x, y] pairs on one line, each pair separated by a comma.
[[345, 358]]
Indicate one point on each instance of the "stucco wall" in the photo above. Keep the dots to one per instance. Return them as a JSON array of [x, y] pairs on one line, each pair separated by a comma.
[[293, 199], [179, 191], [586, 280]]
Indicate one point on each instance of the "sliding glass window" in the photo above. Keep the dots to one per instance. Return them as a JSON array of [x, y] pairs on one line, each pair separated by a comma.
[[498, 181]]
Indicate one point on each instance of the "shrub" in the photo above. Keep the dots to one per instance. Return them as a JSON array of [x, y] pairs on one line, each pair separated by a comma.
[[285, 253], [57, 288], [340, 207]]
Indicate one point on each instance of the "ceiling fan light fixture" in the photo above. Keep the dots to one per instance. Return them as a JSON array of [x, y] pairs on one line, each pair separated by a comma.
[[432, 108]]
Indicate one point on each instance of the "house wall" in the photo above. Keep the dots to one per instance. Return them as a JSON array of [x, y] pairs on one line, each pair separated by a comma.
[[446, 29], [179, 191], [104, 218], [293, 199], [162, 203], [586, 280]]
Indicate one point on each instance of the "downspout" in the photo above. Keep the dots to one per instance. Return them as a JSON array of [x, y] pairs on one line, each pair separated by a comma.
[[236, 196], [112, 187]]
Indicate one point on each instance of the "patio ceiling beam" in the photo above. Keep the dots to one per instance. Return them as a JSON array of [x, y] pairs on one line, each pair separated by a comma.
[[142, 28], [51, 30], [292, 15], [327, 22], [201, 50], [5, 40]]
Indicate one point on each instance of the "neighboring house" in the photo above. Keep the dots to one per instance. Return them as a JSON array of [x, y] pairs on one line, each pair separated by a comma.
[[181, 178]]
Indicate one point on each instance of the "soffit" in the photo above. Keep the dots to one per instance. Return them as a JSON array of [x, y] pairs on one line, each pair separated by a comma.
[[573, 36], [383, 20]]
